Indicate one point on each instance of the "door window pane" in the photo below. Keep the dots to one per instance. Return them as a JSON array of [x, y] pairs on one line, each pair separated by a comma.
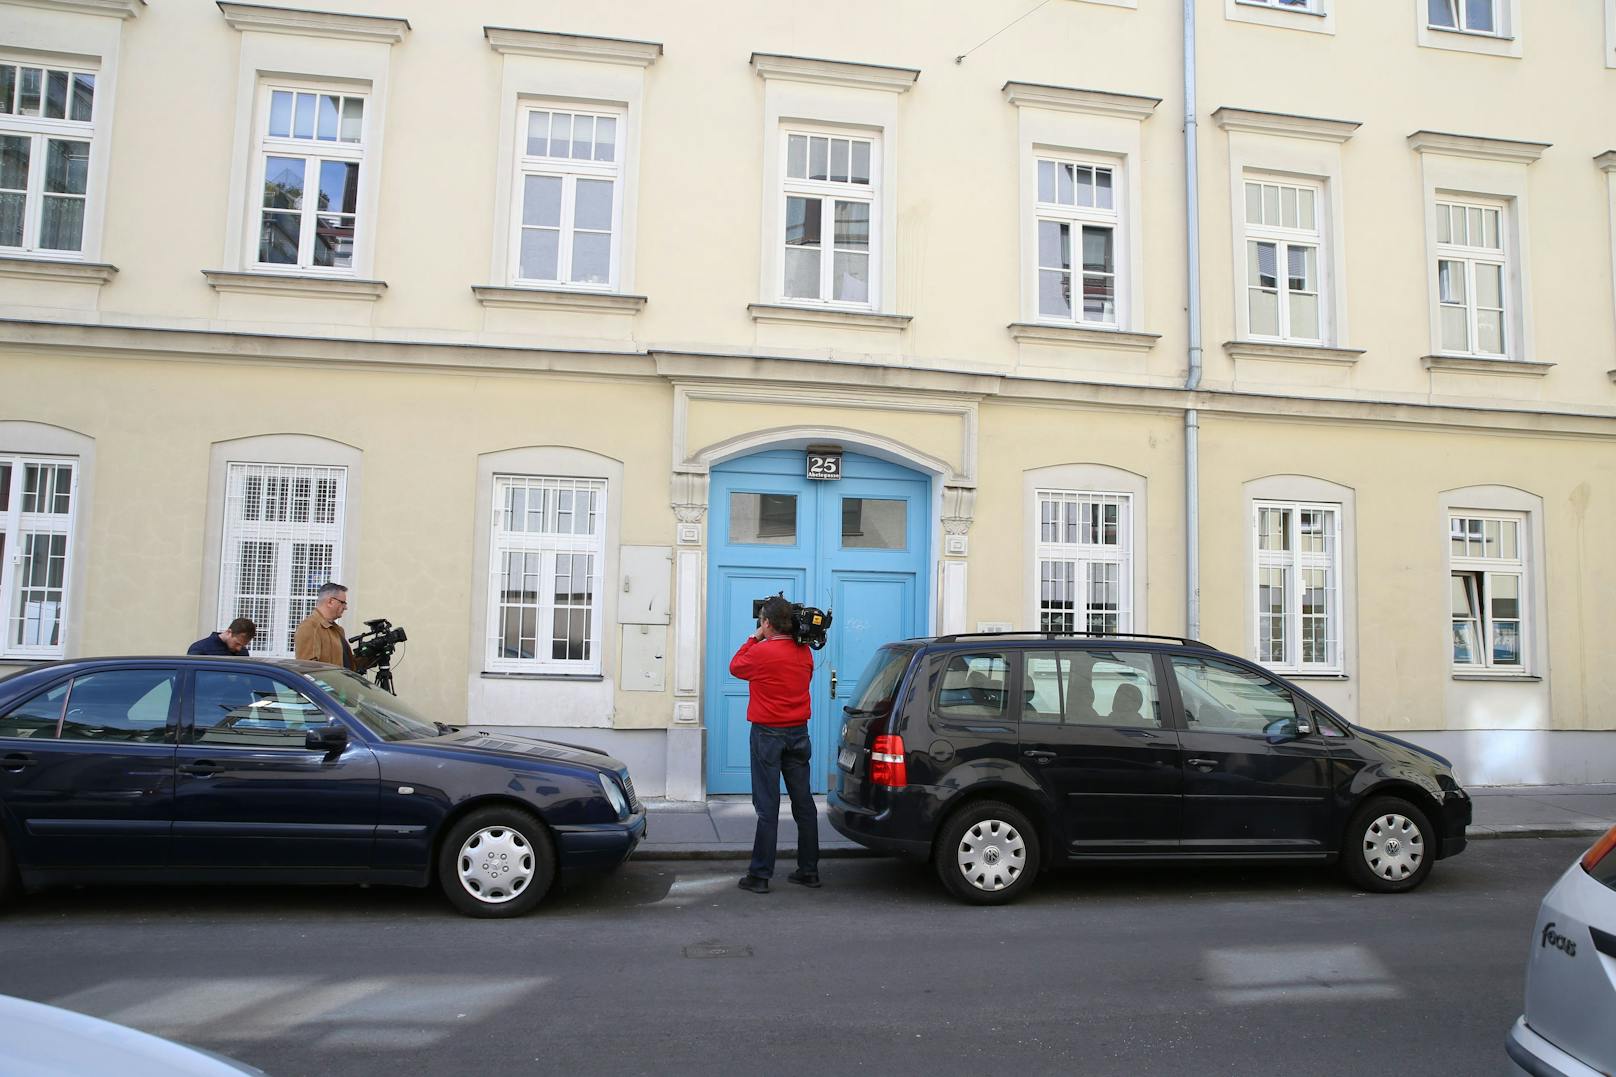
[[38, 716], [126, 705], [874, 523], [767, 519], [248, 710], [1220, 697], [973, 687]]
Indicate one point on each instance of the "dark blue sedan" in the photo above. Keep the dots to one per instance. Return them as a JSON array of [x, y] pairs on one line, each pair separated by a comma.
[[236, 770]]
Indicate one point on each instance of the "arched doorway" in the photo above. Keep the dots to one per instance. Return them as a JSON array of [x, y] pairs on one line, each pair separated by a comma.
[[860, 545]]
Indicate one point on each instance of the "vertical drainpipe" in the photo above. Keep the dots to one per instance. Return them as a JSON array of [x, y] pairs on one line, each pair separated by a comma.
[[1192, 420]]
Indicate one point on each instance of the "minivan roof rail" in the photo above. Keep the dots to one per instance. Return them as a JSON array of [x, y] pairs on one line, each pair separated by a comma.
[[1050, 634]]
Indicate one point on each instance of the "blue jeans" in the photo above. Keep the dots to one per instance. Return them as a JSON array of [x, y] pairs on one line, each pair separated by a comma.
[[782, 752]]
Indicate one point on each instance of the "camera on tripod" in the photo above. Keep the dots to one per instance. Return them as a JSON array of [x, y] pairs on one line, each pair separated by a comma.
[[375, 647], [808, 623]]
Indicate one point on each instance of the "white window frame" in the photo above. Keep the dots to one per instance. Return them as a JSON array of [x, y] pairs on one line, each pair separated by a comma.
[[1481, 570], [312, 152], [1313, 16], [828, 193], [547, 545], [14, 524], [40, 131], [1078, 218], [1082, 558], [1284, 239], [1468, 257], [288, 603], [1293, 562], [569, 171], [1503, 40], [1307, 7], [1459, 10]]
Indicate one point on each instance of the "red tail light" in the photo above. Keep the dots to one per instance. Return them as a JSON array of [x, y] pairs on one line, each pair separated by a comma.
[[1601, 849], [887, 766]]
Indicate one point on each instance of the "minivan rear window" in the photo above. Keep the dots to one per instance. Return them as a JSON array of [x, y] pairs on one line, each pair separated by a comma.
[[879, 684]]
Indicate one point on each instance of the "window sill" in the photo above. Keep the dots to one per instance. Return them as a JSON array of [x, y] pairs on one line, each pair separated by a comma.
[[784, 314], [495, 295], [1525, 678], [1480, 35], [1046, 333], [301, 285], [1301, 353], [1309, 676], [1480, 364], [1283, 18], [25, 267], [501, 675]]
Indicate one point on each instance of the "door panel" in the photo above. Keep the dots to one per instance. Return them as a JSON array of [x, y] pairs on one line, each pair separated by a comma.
[[729, 754]]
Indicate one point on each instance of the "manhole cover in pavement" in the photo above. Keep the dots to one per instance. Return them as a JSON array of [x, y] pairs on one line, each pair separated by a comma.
[[717, 949]]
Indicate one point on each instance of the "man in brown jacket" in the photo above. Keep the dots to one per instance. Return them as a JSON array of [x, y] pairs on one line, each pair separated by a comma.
[[319, 638]]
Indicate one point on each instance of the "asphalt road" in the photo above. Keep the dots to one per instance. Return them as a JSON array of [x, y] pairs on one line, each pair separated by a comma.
[[667, 968]]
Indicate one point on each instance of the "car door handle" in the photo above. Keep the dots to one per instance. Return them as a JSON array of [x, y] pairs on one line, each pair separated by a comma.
[[202, 768], [1042, 757], [16, 761], [1201, 762]]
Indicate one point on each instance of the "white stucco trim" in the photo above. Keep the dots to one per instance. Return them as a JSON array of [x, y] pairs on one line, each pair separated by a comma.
[[44, 439], [1507, 42], [554, 46], [1316, 22], [1089, 478], [301, 22]]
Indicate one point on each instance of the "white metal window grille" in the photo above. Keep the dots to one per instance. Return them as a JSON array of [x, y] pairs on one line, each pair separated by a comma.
[[545, 592], [830, 219], [569, 198], [1471, 271], [1077, 218], [282, 540], [1487, 561], [1469, 16], [312, 148], [1298, 574], [1085, 561], [47, 118], [1283, 240], [38, 497]]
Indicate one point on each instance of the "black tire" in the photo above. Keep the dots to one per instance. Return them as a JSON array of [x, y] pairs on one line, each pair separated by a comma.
[[1008, 853], [1389, 846], [516, 848]]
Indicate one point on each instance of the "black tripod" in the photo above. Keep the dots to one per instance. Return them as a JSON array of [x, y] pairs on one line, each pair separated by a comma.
[[384, 672]]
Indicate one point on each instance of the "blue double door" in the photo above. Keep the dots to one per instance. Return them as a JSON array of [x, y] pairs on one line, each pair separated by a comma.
[[859, 545]]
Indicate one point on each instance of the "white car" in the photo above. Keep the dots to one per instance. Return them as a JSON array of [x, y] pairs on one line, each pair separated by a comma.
[[1569, 1027], [44, 1041]]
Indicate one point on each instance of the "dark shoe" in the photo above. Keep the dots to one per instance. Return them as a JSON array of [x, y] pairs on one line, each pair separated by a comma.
[[754, 884], [806, 878]]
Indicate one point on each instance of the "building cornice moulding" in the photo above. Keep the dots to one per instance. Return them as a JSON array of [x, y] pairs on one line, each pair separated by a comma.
[[858, 76], [1475, 364], [1285, 125], [1510, 150], [301, 286], [305, 23], [117, 9], [1301, 353], [495, 295], [1081, 336], [1071, 99], [51, 269], [556, 46], [778, 313]]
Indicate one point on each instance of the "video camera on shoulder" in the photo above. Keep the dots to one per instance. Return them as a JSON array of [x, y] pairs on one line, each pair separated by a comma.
[[808, 623]]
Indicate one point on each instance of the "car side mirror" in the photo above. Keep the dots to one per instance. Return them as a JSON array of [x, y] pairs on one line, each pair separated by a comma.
[[329, 739], [1304, 726]]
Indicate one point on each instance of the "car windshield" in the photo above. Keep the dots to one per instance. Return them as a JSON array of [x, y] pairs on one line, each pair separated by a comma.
[[880, 681], [383, 713]]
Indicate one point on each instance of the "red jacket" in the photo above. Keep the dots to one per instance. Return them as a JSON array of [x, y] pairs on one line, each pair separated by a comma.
[[779, 670]]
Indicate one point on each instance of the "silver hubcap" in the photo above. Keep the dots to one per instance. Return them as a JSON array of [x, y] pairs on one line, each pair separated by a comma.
[[1393, 846], [496, 864], [992, 854]]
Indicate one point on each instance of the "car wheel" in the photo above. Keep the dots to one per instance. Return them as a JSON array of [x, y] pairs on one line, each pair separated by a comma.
[[987, 853], [1389, 847], [496, 862]]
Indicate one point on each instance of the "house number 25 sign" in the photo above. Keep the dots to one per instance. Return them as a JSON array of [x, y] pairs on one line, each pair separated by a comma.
[[824, 463]]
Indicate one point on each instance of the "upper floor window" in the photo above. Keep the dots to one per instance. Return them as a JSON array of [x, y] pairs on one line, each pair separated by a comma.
[[311, 153], [1487, 562], [547, 558], [1470, 16], [38, 497], [47, 118], [1313, 6], [1085, 554], [569, 198], [1298, 574], [1283, 243], [830, 212], [1472, 278], [1077, 216]]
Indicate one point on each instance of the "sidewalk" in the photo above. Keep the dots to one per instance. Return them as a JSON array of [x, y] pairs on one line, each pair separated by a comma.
[[721, 828]]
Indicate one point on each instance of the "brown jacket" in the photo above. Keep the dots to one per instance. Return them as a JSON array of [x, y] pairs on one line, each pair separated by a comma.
[[320, 640]]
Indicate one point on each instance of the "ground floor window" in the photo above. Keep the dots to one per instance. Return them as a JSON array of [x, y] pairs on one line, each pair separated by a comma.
[[38, 498], [546, 560], [1487, 587], [1298, 585], [1084, 551]]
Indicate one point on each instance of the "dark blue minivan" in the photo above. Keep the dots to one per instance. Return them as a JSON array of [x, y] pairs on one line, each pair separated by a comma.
[[239, 770]]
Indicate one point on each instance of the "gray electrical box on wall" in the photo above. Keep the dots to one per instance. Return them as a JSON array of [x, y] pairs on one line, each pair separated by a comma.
[[646, 586]]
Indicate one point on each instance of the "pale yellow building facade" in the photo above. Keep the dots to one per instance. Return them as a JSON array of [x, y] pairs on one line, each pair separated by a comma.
[[492, 319]]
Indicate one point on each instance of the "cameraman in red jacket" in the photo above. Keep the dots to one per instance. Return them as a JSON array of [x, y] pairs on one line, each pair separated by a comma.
[[778, 670]]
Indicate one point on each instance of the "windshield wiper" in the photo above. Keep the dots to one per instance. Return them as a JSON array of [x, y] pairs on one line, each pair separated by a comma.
[[444, 729]]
